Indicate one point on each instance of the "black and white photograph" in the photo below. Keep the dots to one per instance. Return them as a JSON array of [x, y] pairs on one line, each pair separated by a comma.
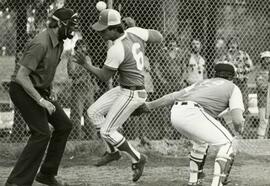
[[134, 92]]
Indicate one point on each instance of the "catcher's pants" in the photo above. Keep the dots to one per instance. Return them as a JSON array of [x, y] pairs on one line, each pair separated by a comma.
[[191, 120], [112, 109]]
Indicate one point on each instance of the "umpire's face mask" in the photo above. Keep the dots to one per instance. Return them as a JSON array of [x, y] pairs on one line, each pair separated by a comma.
[[66, 30]]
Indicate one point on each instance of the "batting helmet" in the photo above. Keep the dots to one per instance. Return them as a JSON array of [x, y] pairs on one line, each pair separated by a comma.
[[225, 70]]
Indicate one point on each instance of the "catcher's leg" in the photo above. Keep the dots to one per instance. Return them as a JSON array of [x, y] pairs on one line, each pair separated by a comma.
[[197, 159], [223, 165]]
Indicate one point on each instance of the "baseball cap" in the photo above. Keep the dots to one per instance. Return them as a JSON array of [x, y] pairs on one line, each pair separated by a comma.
[[225, 66], [107, 17], [265, 54]]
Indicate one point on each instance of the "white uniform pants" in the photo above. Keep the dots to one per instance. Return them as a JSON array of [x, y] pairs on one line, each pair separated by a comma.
[[192, 121], [112, 109]]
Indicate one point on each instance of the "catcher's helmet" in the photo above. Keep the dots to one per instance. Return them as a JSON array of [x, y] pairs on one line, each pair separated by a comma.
[[225, 70]]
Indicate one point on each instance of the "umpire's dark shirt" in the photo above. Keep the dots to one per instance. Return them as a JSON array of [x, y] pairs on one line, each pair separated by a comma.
[[42, 56]]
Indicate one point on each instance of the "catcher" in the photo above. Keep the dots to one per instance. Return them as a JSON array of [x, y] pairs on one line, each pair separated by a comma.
[[193, 114]]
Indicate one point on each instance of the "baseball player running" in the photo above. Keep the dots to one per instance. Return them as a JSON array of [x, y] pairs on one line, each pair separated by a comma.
[[112, 109], [193, 114]]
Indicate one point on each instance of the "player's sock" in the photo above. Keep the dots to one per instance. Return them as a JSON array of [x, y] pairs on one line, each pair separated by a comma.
[[110, 147], [126, 147]]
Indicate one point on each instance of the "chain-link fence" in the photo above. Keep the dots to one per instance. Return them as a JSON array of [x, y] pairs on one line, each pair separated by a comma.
[[197, 34]]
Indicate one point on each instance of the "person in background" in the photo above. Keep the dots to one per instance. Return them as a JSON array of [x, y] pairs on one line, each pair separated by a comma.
[[261, 80], [243, 64], [83, 89], [167, 73], [194, 64]]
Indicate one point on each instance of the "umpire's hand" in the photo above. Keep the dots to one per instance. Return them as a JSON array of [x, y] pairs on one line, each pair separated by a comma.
[[47, 105], [140, 110]]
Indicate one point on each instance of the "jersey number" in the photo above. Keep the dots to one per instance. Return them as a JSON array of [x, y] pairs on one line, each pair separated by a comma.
[[138, 56]]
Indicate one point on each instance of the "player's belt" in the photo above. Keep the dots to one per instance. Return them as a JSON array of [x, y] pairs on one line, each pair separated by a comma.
[[187, 103], [133, 87]]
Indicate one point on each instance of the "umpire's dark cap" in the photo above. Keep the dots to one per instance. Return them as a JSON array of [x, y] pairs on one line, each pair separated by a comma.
[[65, 14], [225, 66]]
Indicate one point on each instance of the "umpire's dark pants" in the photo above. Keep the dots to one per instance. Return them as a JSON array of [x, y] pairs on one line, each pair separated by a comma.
[[37, 119]]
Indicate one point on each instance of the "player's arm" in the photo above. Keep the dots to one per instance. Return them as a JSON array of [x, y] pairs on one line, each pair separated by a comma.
[[154, 36], [104, 73], [236, 106], [148, 35], [238, 120], [166, 100]]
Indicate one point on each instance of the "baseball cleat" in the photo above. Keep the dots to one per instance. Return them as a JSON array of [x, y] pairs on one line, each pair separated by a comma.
[[107, 158], [227, 181], [48, 180], [138, 168]]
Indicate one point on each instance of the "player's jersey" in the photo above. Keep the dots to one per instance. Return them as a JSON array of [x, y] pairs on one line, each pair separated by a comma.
[[127, 56], [214, 95]]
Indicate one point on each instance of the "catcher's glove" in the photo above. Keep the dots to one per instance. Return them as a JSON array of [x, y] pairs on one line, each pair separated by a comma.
[[140, 110]]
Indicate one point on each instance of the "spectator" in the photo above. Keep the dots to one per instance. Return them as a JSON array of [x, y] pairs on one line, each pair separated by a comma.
[[243, 64], [167, 73], [170, 67], [83, 88], [195, 64], [261, 80], [220, 49]]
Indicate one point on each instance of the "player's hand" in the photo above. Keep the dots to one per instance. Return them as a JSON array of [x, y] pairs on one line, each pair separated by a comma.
[[47, 105], [238, 128], [80, 58], [140, 110]]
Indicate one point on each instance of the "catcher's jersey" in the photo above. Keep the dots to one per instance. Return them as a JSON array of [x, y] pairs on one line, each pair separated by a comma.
[[127, 56], [214, 95]]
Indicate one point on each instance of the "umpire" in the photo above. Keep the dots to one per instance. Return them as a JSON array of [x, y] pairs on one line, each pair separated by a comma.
[[30, 91]]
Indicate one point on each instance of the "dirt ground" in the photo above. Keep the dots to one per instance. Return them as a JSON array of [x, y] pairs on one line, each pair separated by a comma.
[[161, 170]]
